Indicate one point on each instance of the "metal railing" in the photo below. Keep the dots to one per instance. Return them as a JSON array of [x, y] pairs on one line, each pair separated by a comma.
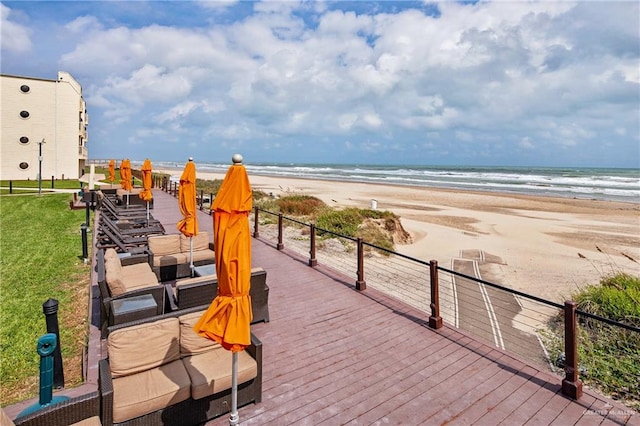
[[509, 319]]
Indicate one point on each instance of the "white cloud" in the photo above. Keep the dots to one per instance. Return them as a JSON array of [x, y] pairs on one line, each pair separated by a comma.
[[84, 24], [526, 143], [14, 36], [487, 73]]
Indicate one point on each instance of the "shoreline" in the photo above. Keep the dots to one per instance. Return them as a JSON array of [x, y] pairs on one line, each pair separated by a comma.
[[541, 245]]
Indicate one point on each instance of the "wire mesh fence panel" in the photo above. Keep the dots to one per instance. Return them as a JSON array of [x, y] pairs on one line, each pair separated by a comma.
[[296, 237], [497, 317], [400, 278], [339, 254]]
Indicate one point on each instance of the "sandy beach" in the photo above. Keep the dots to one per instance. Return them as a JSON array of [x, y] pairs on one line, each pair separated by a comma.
[[547, 247]]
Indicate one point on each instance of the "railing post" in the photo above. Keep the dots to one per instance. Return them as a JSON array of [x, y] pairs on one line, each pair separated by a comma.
[[52, 180], [201, 199], [10, 187], [361, 283], [280, 244], [571, 384], [312, 249], [256, 232], [435, 320]]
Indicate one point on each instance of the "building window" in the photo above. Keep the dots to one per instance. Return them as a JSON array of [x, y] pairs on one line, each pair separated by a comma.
[[24, 165], [24, 140], [25, 89], [24, 114]]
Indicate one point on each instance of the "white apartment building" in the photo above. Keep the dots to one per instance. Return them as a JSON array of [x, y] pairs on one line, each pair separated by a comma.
[[36, 110]]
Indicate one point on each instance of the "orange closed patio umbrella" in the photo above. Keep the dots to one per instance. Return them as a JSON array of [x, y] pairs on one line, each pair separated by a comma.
[[228, 318], [187, 202], [125, 176], [112, 171], [146, 193]]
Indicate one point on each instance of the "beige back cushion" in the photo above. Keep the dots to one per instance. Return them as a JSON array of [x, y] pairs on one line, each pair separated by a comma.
[[196, 280], [144, 346], [111, 256], [190, 342], [164, 244], [4, 419], [200, 242], [113, 272]]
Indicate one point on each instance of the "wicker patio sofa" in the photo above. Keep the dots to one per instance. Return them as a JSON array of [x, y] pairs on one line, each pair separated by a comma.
[[188, 377], [169, 254], [82, 410], [198, 291]]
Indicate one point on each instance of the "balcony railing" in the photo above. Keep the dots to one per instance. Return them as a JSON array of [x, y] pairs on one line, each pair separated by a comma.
[[83, 152]]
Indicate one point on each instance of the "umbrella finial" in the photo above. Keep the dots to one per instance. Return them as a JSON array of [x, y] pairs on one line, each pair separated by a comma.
[[190, 158], [237, 159]]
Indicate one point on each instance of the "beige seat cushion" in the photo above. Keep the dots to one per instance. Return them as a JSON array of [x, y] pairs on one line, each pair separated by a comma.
[[170, 259], [200, 242], [91, 421], [138, 275], [147, 391], [210, 371], [142, 347], [202, 256], [161, 245]]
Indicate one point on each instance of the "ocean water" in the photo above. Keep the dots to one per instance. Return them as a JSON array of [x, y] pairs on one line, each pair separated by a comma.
[[588, 183]]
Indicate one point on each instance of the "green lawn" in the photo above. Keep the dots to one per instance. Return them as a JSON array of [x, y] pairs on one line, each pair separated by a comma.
[[40, 258], [46, 184]]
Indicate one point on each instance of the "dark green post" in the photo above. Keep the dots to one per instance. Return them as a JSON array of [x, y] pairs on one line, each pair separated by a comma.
[[50, 310]]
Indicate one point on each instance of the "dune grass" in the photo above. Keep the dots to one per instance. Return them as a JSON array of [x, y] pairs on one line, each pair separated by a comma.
[[609, 356], [40, 258]]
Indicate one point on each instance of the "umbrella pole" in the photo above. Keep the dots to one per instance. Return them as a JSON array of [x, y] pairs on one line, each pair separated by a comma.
[[191, 255], [233, 416], [147, 213]]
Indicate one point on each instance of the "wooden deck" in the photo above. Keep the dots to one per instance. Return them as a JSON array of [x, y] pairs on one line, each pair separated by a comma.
[[334, 355]]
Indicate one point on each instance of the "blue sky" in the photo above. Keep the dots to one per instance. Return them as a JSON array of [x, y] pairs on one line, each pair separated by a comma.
[[434, 83]]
